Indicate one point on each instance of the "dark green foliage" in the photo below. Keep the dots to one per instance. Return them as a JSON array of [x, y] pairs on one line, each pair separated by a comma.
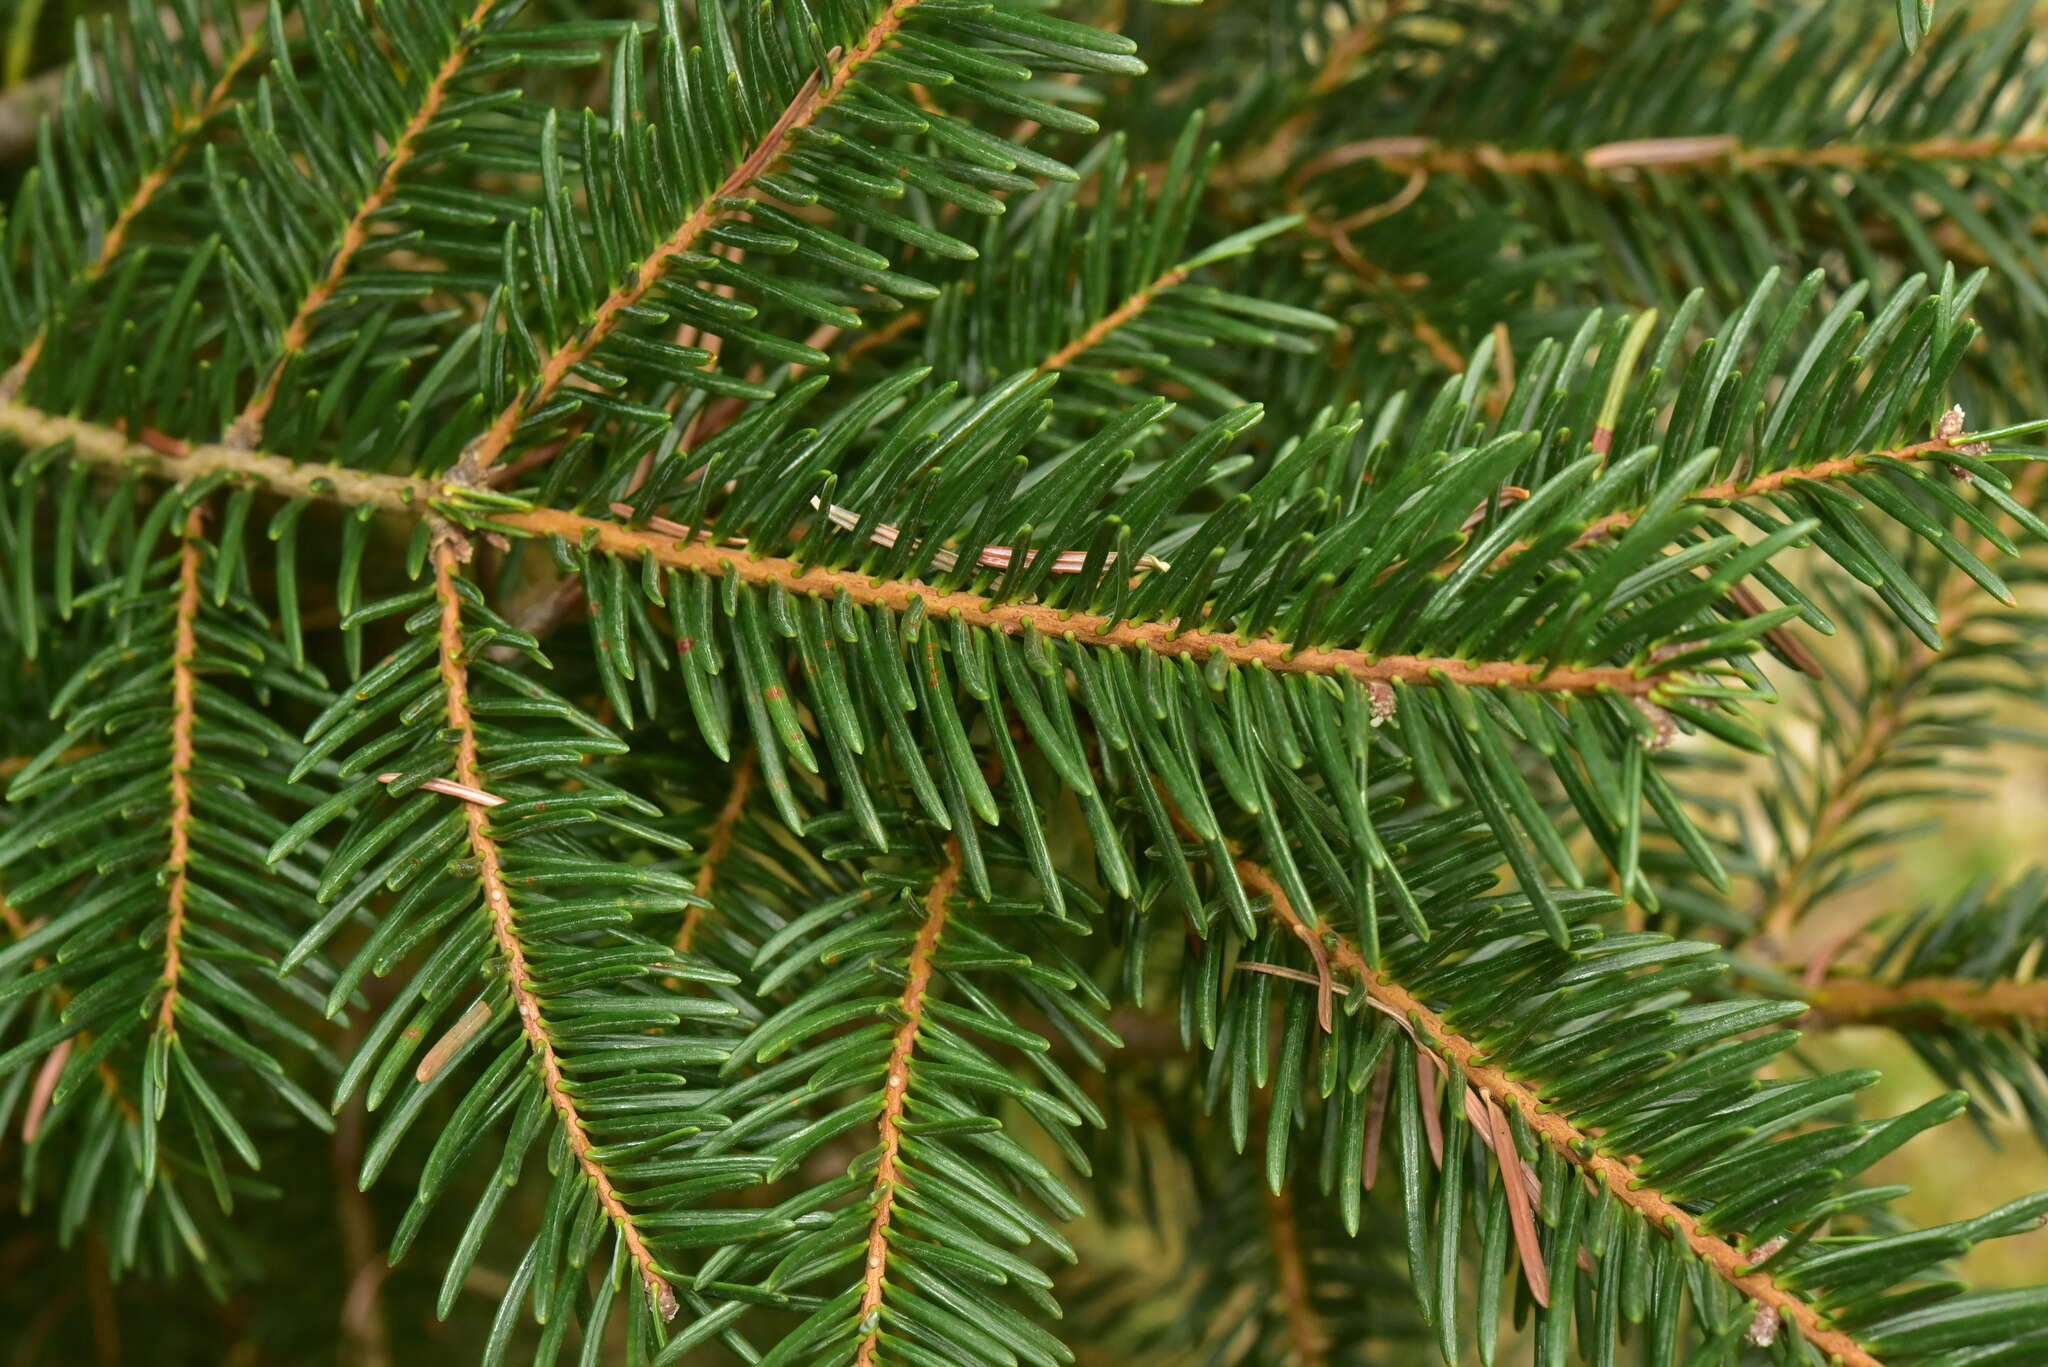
[[964, 1199], [678, 621], [156, 927], [1137, 306], [1610, 1033], [1956, 982]]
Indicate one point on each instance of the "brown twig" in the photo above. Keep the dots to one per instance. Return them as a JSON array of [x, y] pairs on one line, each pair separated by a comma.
[[1843, 1000], [1736, 490], [905, 321], [178, 461], [916, 987], [1432, 340], [184, 718], [1715, 151], [1839, 803], [1019, 618], [490, 875], [365, 1340], [14, 764], [887, 333], [414, 496], [1096, 332]]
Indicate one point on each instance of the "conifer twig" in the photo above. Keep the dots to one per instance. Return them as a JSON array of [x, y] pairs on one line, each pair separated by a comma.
[[903, 322], [184, 719], [182, 129], [813, 99], [1882, 723], [1098, 331], [717, 417], [1714, 150], [1612, 1174], [175, 460], [1843, 999], [1058, 359], [498, 909], [1017, 618], [1736, 490], [415, 496], [246, 431], [896, 1084]]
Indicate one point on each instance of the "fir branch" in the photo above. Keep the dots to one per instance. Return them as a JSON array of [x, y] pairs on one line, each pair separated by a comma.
[[812, 99], [187, 772], [1883, 723], [505, 930], [896, 1074], [1958, 982], [1883, 159], [1742, 490], [1018, 619], [23, 105], [182, 462], [179, 140], [1134, 305], [721, 416], [1845, 1000], [246, 431], [879, 580], [1334, 952], [1101, 279], [1713, 151], [184, 717], [414, 496]]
